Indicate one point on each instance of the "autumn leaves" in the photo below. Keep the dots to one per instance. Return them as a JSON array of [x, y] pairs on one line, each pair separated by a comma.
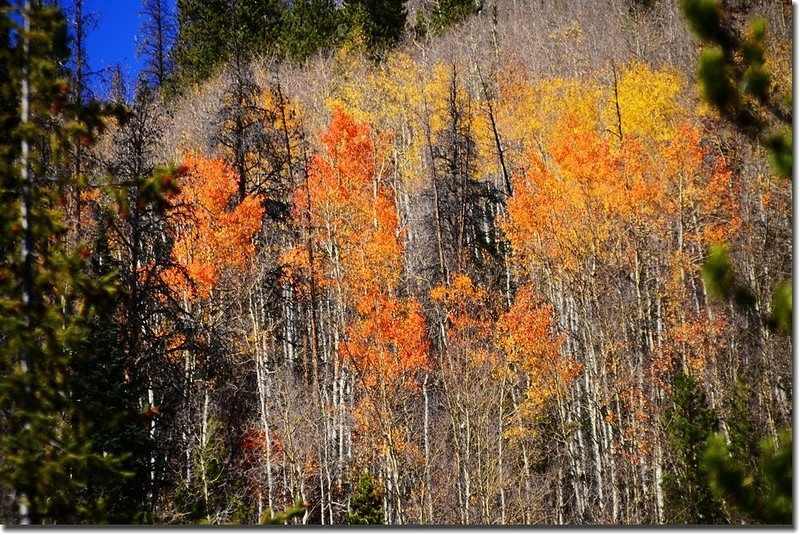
[[213, 234], [597, 170], [353, 224]]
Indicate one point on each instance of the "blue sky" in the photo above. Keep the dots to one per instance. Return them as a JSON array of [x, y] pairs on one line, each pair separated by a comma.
[[113, 38]]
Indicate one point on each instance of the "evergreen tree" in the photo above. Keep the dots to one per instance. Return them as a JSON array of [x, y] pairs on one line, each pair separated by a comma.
[[46, 455], [742, 433], [753, 478], [213, 494], [103, 387], [9, 119], [297, 510], [309, 25], [760, 495], [366, 502], [735, 79], [381, 22], [688, 497], [64, 447], [157, 35], [201, 43], [448, 13], [443, 15], [211, 32]]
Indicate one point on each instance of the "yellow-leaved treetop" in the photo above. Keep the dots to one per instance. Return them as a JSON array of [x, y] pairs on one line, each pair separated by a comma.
[[646, 101]]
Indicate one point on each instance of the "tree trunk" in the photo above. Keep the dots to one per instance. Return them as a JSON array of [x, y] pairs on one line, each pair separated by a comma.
[[27, 509]]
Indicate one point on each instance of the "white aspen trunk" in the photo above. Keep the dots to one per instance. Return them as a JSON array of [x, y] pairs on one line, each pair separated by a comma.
[[526, 465], [576, 448], [579, 468], [458, 450], [187, 394], [151, 400], [658, 477], [483, 474], [27, 513], [350, 400], [526, 469], [341, 412], [465, 473], [387, 490], [264, 401], [500, 472], [592, 378], [427, 447], [612, 464], [288, 325], [594, 435], [307, 514], [188, 377], [399, 513], [395, 511], [330, 479], [203, 445], [262, 374], [322, 503], [560, 497]]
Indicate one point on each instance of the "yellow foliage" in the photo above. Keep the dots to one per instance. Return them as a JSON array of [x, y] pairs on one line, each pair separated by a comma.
[[461, 290], [440, 89], [527, 109], [779, 64], [648, 102]]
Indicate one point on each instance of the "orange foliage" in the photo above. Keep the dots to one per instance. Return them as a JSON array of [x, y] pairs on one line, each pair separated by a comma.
[[387, 341], [464, 306], [525, 335], [354, 226], [213, 236], [638, 424], [469, 324], [575, 202], [697, 341], [707, 191], [352, 212]]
